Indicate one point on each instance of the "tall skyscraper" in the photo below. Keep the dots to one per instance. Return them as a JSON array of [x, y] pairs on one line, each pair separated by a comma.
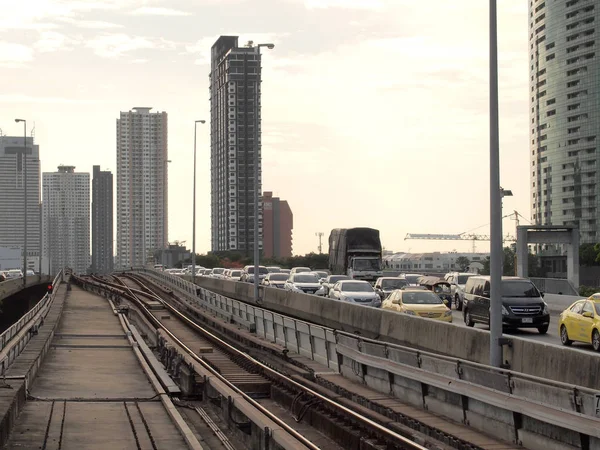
[[102, 221], [66, 220], [278, 225], [12, 202], [235, 122], [142, 202], [565, 114]]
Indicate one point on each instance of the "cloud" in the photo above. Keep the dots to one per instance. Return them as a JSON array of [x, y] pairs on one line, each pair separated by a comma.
[[344, 4], [90, 24], [14, 55], [116, 45], [158, 11], [52, 41], [22, 98]]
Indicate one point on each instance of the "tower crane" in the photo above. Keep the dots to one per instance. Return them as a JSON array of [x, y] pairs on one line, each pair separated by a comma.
[[466, 236]]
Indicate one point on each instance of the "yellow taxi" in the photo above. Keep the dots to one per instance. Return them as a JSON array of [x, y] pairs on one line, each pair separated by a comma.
[[417, 302], [581, 322]]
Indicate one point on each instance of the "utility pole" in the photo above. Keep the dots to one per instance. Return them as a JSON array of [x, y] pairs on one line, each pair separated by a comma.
[[320, 235]]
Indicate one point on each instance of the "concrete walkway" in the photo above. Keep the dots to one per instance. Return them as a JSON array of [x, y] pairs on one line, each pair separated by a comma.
[[91, 392]]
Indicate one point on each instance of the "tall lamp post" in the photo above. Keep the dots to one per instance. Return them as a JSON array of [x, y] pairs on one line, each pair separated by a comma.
[[24, 199], [194, 208], [256, 185], [496, 252]]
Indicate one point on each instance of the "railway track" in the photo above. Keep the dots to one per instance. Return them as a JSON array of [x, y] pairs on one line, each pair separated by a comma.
[[251, 377], [357, 416]]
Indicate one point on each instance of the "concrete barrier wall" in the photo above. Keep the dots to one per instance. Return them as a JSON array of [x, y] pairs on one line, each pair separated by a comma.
[[530, 357], [11, 287]]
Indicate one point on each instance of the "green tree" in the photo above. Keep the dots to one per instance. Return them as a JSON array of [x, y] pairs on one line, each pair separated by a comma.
[[463, 263], [588, 254], [534, 268]]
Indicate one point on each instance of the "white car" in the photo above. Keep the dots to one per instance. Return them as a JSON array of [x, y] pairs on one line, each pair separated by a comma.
[[30, 273], [14, 273], [296, 270], [304, 282], [355, 291], [457, 282], [217, 272], [276, 280], [234, 274], [331, 280]]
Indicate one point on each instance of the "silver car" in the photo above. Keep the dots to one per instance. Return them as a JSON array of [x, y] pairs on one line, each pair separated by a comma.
[[276, 280], [304, 282], [355, 291], [331, 280]]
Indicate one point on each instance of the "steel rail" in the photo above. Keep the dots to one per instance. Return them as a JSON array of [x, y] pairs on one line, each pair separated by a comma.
[[380, 428], [198, 359]]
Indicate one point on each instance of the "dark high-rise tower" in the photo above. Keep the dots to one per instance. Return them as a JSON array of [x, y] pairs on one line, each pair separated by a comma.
[[565, 114], [102, 221], [235, 121]]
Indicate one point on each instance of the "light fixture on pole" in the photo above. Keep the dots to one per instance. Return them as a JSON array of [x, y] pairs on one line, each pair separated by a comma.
[[24, 199], [256, 184], [194, 208]]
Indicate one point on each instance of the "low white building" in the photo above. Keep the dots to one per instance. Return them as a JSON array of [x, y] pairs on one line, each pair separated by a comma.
[[432, 262]]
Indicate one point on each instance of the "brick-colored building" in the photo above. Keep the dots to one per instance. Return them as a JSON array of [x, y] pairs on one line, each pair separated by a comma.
[[278, 223]]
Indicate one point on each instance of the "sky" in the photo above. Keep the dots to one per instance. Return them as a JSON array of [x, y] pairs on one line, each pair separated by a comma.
[[375, 112]]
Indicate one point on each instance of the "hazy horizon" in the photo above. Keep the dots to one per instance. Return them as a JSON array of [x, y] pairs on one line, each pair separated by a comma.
[[375, 112]]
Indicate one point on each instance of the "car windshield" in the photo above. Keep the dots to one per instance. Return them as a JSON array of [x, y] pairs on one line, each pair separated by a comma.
[[597, 306], [322, 274], [393, 284], [519, 288], [367, 264], [412, 279], [335, 278], [274, 269], [462, 279], [356, 287], [420, 298], [235, 273], [441, 289], [261, 270], [218, 271], [278, 277], [301, 270], [305, 278]]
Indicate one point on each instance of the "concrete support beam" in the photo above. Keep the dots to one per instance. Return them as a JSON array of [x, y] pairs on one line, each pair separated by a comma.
[[573, 259], [522, 252]]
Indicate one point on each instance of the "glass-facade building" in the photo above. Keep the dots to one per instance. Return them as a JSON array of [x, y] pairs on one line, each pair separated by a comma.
[[564, 114], [234, 137]]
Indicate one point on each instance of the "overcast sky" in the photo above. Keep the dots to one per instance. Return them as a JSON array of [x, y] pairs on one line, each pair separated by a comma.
[[375, 112]]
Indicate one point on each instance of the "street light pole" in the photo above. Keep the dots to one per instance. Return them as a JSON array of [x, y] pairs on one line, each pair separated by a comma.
[[496, 252], [256, 184], [194, 208], [24, 199]]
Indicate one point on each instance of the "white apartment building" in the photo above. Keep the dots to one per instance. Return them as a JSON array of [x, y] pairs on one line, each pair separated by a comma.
[[12, 195], [66, 220], [142, 178], [432, 262]]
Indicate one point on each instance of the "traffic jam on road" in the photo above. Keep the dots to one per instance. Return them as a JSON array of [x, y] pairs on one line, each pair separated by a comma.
[[355, 275]]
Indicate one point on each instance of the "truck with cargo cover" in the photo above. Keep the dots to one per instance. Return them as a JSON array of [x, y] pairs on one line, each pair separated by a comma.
[[355, 252]]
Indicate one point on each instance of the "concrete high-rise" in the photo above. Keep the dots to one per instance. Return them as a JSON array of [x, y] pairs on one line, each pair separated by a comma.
[[142, 203], [278, 225], [12, 202], [234, 125], [565, 114], [66, 220], [102, 221]]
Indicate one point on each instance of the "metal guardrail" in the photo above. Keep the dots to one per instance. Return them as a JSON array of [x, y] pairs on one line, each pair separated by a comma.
[[490, 399], [13, 341]]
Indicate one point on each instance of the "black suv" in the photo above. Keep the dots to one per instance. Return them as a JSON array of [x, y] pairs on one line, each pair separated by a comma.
[[522, 303]]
